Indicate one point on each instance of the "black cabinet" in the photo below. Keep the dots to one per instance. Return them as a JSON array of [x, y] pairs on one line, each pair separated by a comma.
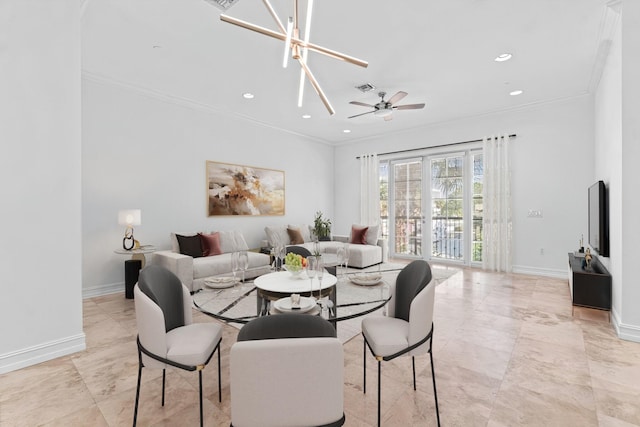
[[589, 287]]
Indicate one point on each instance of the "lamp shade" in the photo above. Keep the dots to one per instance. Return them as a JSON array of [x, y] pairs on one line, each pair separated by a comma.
[[130, 217]]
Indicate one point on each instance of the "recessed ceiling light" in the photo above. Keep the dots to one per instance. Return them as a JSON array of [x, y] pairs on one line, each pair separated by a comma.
[[503, 57], [515, 93], [247, 95], [306, 116], [346, 131]]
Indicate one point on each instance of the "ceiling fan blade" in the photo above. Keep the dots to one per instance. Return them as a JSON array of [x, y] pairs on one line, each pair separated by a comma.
[[409, 107], [358, 115], [397, 97], [389, 117], [362, 104]]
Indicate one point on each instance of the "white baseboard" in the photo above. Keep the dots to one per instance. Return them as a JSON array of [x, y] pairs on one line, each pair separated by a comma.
[[41, 353], [536, 271], [624, 331], [100, 290]]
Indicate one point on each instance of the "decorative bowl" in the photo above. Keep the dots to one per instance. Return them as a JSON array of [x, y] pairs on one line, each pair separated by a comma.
[[295, 270]]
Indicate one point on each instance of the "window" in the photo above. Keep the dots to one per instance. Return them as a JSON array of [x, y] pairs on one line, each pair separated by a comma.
[[449, 186]]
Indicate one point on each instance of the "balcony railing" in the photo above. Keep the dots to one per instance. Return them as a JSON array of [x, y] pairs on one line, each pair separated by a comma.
[[446, 236]]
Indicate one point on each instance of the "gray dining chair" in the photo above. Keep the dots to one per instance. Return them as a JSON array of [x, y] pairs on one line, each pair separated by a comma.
[[408, 327], [300, 250], [167, 337], [286, 371]]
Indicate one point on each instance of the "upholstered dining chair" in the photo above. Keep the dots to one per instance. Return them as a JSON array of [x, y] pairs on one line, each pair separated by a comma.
[[408, 326], [166, 335], [300, 250], [287, 370]]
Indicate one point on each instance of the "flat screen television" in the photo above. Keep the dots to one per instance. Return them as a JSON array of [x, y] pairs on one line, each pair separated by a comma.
[[599, 219]]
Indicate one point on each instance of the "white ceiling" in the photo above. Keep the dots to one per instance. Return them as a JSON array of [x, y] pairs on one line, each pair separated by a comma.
[[440, 52]]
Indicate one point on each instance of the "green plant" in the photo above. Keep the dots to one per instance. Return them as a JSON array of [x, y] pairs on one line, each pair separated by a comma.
[[321, 226]]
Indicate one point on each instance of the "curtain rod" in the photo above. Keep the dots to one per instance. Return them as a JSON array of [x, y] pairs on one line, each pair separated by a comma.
[[513, 135]]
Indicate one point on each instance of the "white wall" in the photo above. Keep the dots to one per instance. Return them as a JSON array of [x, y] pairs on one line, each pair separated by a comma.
[[552, 161], [630, 320], [617, 109], [40, 293], [145, 151], [608, 160]]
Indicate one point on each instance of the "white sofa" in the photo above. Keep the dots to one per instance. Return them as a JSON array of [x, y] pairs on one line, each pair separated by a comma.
[[193, 271], [360, 255]]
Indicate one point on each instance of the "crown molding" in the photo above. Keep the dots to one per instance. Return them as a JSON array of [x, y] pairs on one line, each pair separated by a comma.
[[189, 103], [523, 107]]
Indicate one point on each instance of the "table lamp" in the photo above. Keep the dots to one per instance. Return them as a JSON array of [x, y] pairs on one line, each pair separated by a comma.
[[129, 217]]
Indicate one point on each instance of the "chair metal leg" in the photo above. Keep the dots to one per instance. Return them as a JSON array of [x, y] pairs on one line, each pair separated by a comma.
[[200, 379], [364, 367], [435, 394], [379, 378], [135, 409], [164, 375], [413, 364], [219, 380]]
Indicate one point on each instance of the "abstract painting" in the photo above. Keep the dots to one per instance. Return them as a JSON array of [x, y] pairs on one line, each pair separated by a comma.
[[244, 190]]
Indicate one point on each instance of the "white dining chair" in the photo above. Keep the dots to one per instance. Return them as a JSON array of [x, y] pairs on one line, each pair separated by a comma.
[[407, 329], [167, 338]]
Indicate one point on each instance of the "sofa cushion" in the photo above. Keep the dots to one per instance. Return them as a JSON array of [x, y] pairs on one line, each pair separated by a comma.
[[221, 264], [295, 236], [190, 245], [359, 235], [232, 241], [277, 234], [371, 235], [210, 244]]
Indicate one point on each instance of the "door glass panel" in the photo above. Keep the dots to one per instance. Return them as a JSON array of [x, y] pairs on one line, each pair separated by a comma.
[[478, 179], [384, 199], [407, 193], [447, 207]]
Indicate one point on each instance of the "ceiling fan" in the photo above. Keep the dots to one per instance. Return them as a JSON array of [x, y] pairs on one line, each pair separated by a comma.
[[385, 108]]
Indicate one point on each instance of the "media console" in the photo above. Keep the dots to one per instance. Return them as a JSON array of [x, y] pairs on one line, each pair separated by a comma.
[[589, 288]]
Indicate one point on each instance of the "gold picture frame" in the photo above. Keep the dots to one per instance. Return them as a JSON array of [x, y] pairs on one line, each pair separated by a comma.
[[244, 190]]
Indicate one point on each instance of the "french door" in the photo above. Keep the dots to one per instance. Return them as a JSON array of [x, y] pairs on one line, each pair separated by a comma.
[[431, 206]]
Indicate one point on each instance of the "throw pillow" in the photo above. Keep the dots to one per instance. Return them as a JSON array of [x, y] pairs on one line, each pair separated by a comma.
[[359, 235], [190, 245], [295, 236], [304, 231], [210, 244], [372, 233]]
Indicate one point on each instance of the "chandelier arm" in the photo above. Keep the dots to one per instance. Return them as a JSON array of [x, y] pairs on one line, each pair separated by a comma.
[[305, 51], [274, 16], [258, 29], [317, 87], [294, 40], [332, 53]]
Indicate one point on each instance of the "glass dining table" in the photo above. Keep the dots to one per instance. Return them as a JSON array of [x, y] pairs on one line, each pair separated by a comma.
[[338, 299]]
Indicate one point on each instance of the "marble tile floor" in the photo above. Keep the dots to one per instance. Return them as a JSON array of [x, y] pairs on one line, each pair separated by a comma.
[[509, 350]]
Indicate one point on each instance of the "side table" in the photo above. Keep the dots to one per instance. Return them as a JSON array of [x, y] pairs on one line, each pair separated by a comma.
[[133, 266]]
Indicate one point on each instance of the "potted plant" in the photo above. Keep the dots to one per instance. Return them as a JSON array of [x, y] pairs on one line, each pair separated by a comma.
[[321, 227]]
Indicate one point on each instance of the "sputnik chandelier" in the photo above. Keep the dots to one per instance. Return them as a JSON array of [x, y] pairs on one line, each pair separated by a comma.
[[297, 47]]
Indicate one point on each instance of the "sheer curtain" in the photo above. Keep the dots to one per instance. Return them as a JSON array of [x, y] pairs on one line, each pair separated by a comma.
[[369, 190], [496, 194]]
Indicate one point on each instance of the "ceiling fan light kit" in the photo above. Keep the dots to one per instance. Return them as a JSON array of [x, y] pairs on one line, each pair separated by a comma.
[[295, 45]]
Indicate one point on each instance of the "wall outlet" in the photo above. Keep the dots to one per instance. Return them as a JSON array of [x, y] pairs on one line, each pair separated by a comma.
[[534, 213]]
